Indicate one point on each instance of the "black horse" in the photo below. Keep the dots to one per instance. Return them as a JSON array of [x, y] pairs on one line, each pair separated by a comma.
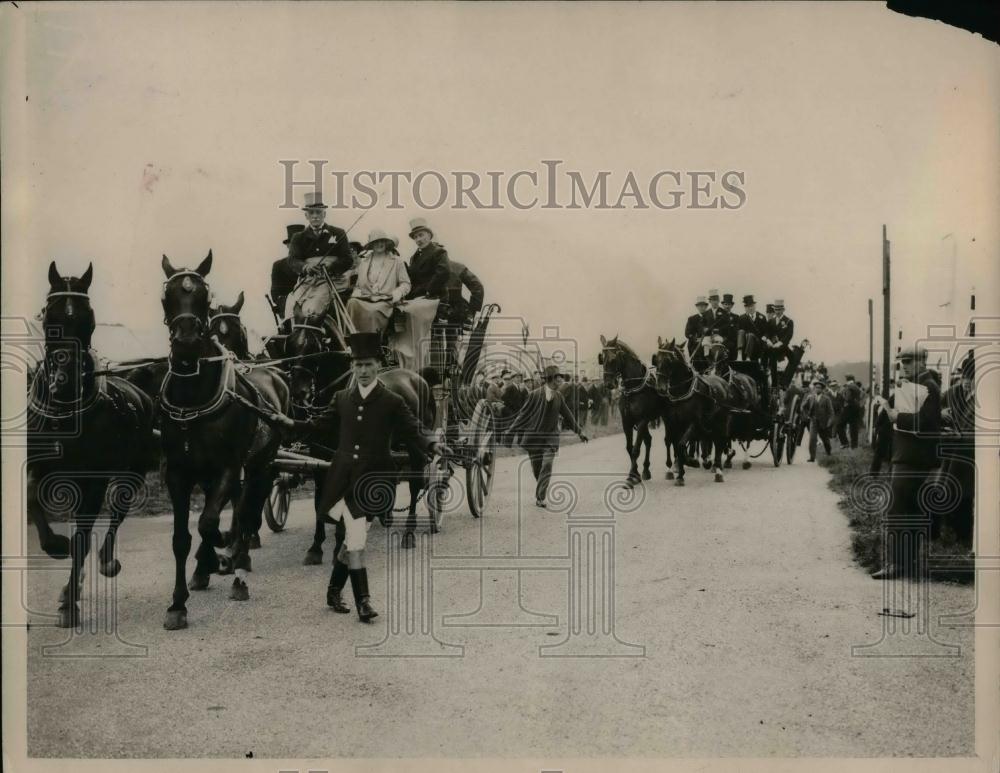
[[225, 326], [90, 436], [694, 406], [747, 419], [211, 430], [640, 405]]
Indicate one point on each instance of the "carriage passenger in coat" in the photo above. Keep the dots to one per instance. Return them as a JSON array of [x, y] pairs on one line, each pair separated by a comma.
[[383, 282], [751, 328], [285, 273], [697, 327]]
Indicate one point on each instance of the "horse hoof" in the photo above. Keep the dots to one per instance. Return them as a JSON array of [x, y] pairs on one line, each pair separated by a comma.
[[255, 542], [670, 475], [239, 591], [646, 475], [679, 482], [718, 477], [175, 619], [69, 616], [198, 582], [707, 465], [409, 541], [225, 565], [746, 465], [728, 464], [111, 568], [57, 546], [313, 558]]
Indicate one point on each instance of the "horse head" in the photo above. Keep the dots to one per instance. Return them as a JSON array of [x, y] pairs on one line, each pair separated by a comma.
[[186, 301], [225, 325], [68, 321], [670, 359]]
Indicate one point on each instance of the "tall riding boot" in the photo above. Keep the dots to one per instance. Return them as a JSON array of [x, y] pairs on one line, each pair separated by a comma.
[[338, 579], [359, 584]]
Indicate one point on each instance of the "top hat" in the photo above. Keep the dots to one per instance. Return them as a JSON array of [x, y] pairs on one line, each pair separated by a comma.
[[770, 308], [713, 295], [377, 235], [364, 346], [292, 230], [700, 301], [420, 224], [551, 371], [748, 300], [779, 303], [727, 298], [314, 200]]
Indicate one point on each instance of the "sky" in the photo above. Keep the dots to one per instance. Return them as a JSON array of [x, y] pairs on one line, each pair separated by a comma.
[[158, 130]]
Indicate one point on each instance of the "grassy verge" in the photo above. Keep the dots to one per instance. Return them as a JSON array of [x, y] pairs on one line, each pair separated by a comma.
[[845, 467]]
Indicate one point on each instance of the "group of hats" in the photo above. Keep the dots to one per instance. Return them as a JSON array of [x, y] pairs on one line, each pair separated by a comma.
[[713, 295]]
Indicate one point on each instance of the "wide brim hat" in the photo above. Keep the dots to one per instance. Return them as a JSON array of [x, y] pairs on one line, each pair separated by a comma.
[[378, 235], [748, 300], [770, 308], [314, 200], [819, 382], [364, 346], [551, 371], [420, 224], [293, 229], [701, 300], [727, 298]]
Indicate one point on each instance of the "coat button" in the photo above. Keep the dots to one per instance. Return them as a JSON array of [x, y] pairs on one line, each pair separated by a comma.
[[361, 407], [356, 448], [355, 456], [359, 418]]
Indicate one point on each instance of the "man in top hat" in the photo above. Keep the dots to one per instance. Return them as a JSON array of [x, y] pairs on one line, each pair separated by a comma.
[[363, 417], [428, 267], [285, 273], [779, 339], [913, 414], [821, 417], [695, 329], [537, 425], [751, 327], [725, 325]]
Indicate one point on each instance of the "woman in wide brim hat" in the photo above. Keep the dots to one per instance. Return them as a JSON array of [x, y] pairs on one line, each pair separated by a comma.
[[382, 283]]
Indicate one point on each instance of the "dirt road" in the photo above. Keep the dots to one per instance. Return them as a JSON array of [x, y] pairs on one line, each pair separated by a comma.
[[740, 600]]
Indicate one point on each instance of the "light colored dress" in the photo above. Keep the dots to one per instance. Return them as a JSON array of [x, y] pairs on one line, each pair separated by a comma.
[[382, 282]]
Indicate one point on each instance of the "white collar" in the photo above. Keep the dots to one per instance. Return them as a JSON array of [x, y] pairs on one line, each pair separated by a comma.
[[365, 391], [549, 392]]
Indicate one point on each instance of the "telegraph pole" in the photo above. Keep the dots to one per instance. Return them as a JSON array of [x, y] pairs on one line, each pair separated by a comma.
[[871, 347], [886, 327]]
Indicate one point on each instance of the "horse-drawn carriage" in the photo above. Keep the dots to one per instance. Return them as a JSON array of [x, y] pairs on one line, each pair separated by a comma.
[[463, 419]]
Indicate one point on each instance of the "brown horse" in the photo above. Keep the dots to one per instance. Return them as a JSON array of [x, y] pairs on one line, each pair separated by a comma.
[[211, 430], [90, 436]]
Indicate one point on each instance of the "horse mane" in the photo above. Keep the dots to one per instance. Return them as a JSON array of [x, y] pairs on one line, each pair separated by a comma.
[[627, 349]]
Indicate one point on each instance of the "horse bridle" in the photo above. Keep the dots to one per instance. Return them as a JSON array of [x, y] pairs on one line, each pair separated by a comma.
[[626, 390], [693, 378], [188, 287]]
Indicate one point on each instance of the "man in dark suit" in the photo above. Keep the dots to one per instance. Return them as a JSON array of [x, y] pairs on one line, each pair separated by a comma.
[[725, 325], [538, 426], [751, 328], [428, 267], [321, 240], [462, 310], [363, 418], [780, 338], [821, 418], [285, 272], [697, 327]]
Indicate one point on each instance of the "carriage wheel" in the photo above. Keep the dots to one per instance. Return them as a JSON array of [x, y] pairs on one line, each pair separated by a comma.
[[791, 433], [278, 501], [436, 496], [481, 463], [777, 441]]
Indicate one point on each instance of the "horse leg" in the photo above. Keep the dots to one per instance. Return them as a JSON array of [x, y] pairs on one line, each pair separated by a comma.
[[647, 441], [207, 560], [314, 555], [90, 505], [629, 427], [719, 443], [54, 545], [680, 452], [247, 516], [119, 504], [668, 447], [417, 481], [180, 487], [706, 452], [746, 456]]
